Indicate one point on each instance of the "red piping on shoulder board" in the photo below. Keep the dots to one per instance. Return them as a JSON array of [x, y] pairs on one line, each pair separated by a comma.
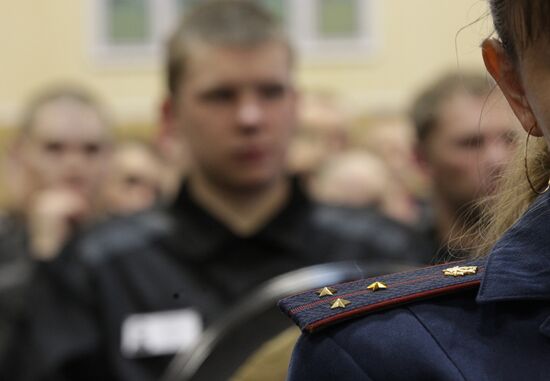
[[390, 303]]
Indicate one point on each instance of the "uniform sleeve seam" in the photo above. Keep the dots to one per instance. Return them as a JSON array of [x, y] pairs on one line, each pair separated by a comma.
[[350, 356], [437, 342]]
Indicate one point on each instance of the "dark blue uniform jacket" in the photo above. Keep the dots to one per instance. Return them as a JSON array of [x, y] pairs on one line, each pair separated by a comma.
[[492, 325]]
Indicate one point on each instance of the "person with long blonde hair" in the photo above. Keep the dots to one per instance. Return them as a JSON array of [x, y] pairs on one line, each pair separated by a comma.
[[486, 318]]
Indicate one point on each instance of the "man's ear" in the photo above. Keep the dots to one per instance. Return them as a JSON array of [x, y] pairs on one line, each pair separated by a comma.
[[421, 158], [167, 129], [167, 116], [506, 75]]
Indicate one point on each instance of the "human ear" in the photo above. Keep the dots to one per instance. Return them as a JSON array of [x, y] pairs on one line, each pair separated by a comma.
[[166, 113], [421, 158], [506, 75], [167, 130]]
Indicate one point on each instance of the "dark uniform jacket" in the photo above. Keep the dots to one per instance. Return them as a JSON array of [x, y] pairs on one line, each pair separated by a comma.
[[16, 268], [96, 310], [488, 319]]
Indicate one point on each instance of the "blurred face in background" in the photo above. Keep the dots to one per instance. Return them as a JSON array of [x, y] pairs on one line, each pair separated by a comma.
[[473, 141], [353, 179], [322, 133], [236, 109], [134, 181], [66, 147], [393, 139]]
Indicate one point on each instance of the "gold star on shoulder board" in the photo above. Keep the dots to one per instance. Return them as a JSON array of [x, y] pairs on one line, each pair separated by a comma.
[[460, 271], [339, 303], [326, 291], [377, 286]]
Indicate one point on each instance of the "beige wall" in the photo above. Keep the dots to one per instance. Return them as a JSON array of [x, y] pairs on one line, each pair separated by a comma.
[[42, 41]]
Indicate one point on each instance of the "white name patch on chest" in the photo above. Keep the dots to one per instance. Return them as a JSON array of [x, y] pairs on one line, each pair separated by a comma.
[[160, 333]]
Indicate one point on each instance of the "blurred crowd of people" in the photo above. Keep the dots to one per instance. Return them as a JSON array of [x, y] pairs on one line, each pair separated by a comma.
[[99, 228]]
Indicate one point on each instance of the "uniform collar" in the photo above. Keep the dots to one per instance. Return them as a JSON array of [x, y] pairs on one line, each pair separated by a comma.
[[201, 235], [518, 267]]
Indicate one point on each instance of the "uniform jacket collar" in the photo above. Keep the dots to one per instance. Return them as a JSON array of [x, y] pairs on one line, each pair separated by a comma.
[[201, 235], [518, 267]]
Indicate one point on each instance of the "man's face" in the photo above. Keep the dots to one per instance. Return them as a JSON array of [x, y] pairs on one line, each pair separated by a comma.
[[236, 108], [67, 147], [465, 154]]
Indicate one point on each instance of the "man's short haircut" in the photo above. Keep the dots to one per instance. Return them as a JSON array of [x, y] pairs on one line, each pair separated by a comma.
[[426, 108], [55, 93], [241, 23]]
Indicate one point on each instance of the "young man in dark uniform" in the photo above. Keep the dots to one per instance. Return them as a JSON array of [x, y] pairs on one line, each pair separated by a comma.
[[467, 133], [131, 293], [58, 162]]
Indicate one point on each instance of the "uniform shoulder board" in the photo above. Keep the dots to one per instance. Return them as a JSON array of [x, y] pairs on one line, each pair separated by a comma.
[[319, 308]]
